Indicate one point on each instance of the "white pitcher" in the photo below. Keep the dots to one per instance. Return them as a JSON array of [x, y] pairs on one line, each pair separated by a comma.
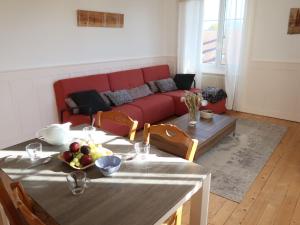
[[55, 134]]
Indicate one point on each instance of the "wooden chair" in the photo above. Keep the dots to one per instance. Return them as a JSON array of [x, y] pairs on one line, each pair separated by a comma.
[[173, 137], [24, 204], [6, 200], [17, 204], [118, 118], [175, 219], [3, 217]]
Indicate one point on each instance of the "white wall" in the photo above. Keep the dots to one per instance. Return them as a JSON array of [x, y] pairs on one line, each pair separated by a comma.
[[40, 43], [44, 33], [170, 27], [270, 85], [270, 40]]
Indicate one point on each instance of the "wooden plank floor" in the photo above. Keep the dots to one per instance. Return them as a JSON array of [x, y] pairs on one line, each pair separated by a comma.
[[274, 197]]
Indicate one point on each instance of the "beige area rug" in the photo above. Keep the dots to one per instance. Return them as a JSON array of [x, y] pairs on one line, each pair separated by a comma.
[[237, 160]]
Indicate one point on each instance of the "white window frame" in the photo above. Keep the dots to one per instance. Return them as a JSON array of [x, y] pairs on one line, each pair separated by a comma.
[[218, 67]]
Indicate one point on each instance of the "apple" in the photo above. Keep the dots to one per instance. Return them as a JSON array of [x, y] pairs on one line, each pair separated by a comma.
[[68, 156], [86, 160], [85, 149], [74, 147]]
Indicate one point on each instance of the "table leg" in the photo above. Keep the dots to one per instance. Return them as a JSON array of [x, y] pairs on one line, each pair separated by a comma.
[[199, 204], [234, 129]]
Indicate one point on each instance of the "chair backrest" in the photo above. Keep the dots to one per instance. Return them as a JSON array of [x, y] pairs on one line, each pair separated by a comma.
[[3, 217], [171, 139], [16, 203], [7, 202], [20, 194], [24, 204], [118, 118]]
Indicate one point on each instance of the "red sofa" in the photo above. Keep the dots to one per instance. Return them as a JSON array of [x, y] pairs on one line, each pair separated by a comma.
[[150, 109]]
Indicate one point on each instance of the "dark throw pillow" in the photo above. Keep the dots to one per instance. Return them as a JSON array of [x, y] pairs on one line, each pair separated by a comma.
[[119, 97], [72, 106], [89, 102], [152, 86], [140, 92], [184, 81], [165, 85]]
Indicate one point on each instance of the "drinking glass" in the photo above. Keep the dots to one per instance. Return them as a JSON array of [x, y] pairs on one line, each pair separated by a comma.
[[89, 132], [77, 182], [142, 150], [34, 151]]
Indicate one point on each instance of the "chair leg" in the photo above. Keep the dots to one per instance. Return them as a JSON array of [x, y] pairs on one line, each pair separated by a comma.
[[178, 216], [133, 131], [98, 119], [146, 134]]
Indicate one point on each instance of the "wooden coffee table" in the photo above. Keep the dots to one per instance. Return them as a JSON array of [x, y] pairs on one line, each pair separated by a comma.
[[208, 131]]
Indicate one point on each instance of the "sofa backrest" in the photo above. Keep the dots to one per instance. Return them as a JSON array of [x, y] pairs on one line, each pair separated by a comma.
[[63, 88], [103, 82], [126, 79], [156, 72]]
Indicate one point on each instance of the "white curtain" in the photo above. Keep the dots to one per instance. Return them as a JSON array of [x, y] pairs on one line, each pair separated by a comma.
[[234, 44], [190, 23]]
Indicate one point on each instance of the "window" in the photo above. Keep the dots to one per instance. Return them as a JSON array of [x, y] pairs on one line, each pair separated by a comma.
[[213, 34]]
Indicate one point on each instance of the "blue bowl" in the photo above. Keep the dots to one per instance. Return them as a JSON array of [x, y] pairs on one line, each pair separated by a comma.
[[108, 164]]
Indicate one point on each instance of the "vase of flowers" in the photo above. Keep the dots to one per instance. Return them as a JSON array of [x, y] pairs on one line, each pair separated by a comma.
[[193, 101]]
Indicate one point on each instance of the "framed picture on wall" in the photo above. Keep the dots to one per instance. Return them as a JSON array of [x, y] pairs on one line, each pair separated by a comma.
[[99, 19], [294, 22]]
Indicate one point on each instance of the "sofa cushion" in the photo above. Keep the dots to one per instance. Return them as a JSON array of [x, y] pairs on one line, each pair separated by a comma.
[[156, 73], [152, 86], [140, 91], [134, 112], [155, 107], [130, 110], [63, 88], [180, 107], [75, 119], [119, 97], [89, 102], [166, 85], [105, 97], [126, 79]]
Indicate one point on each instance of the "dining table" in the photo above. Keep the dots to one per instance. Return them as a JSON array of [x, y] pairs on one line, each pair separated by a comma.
[[143, 192]]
